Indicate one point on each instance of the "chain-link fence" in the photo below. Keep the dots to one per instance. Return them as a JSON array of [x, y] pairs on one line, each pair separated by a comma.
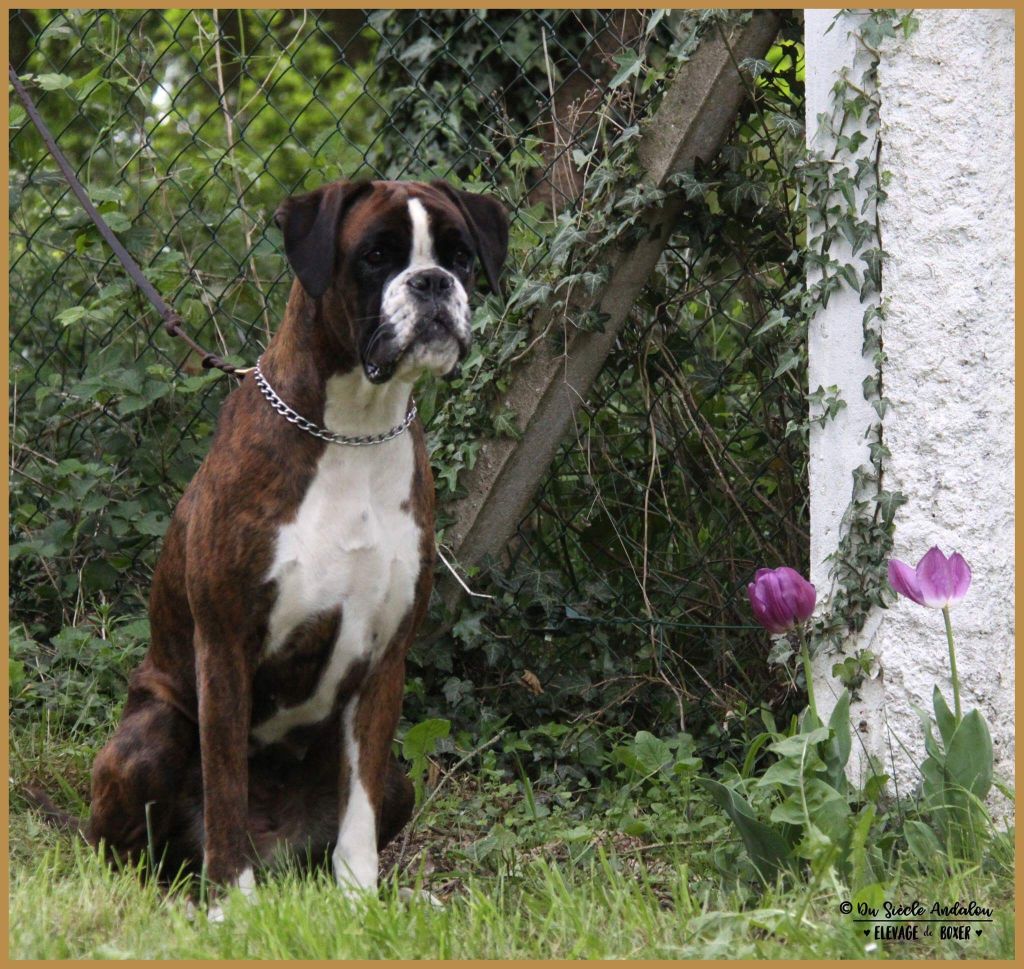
[[621, 597]]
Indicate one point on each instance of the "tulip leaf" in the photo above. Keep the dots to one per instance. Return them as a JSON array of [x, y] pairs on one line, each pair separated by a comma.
[[943, 716], [932, 783], [837, 751], [969, 755], [809, 721], [930, 745], [765, 846], [861, 870]]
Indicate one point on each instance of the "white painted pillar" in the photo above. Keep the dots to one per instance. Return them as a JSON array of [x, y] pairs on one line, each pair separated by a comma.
[[835, 359], [947, 98]]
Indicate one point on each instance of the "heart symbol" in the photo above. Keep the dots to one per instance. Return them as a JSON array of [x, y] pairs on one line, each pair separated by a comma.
[[867, 931], [977, 931]]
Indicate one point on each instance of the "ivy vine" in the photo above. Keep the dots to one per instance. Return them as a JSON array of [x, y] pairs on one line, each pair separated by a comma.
[[833, 184]]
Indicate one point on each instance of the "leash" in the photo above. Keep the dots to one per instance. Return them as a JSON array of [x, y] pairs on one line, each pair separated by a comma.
[[173, 323]]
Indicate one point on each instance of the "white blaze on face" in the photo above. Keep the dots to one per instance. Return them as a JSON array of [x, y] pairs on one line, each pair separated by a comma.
[[401, 309], [422, 256]]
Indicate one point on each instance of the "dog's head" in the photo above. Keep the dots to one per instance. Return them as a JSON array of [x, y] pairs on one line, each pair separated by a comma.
[[392, 265]]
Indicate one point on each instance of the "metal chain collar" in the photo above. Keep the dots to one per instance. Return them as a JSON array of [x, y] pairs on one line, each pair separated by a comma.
[[322, 432]]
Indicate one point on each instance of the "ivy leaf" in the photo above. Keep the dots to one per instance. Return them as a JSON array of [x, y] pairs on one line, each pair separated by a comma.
[[419, 743], [888, 502], [505, 424], [775, 317], [53, 82], [117, 221], [654, 20], [71, 315], [421, 740], [790, 359], [154, 524], [629, 66]]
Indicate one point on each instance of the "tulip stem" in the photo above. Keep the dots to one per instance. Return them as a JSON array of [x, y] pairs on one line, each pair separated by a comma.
[[952, 664], [806, 657]]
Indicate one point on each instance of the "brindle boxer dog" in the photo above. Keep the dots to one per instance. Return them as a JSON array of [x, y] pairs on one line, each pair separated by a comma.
[[298, 564]]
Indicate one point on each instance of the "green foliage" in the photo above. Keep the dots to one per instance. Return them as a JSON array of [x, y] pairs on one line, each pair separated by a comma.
[[651, 787], [78, 679], [767, 851], [621, 595], [696, 364], [853, 670], [622, 590], [800, 810]]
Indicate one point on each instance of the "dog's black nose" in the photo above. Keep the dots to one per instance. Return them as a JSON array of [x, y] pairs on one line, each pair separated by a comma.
[[430, 282]]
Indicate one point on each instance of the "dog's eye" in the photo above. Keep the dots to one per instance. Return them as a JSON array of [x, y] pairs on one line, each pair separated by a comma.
[[462, 257], [375, 257]]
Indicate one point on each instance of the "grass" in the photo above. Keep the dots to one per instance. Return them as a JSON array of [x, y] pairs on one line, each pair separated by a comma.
[[523, 875], [67, 904]]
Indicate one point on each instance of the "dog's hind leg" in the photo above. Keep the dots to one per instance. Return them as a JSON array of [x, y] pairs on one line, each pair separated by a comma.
[[138, 776], [225, 710], [396, 807]]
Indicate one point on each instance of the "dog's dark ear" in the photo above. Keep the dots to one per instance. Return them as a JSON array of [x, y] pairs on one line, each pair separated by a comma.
[[488, 224], [310, 224]]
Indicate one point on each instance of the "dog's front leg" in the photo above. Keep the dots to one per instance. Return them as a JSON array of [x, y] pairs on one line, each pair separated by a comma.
[[369, 721], [225, 707]]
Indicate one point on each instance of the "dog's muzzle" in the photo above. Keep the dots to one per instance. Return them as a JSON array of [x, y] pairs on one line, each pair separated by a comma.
[[384, 354], [424, 321], [379, 355]]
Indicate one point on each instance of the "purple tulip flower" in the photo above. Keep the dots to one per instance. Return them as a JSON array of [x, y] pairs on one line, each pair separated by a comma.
[[937, 582], [781, 598]]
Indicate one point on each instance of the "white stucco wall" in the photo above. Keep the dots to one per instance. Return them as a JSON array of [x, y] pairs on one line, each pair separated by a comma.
[[947, 99]]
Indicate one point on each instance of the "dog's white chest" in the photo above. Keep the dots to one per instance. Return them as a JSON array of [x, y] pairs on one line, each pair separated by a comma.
[[353, 545]]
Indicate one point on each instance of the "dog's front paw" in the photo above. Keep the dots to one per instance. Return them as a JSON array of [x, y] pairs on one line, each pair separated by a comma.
[[419, 895], [246, 884], [355, 869], [215, 911]]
